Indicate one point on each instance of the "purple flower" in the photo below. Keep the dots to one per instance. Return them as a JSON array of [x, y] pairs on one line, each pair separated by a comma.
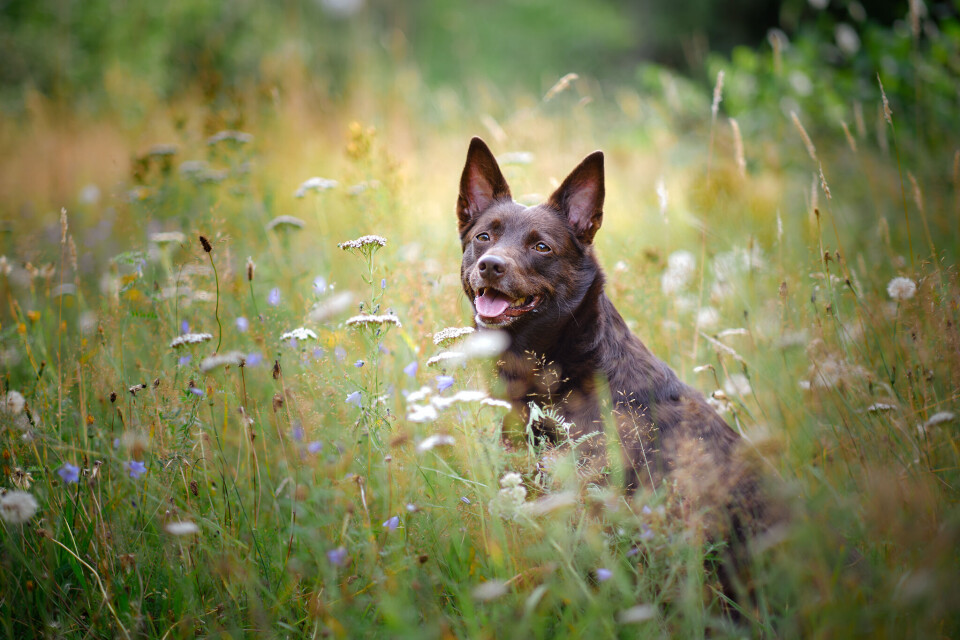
[[632, 552], [391, 523], [647, 533], [354, 398], [383, 283], [340, 353], [293, 343], [315, 447], [465, 500], [411, 369], [444, 382], [359, 363], [319, 284], [197, 391], [273, 299], [242, 324], [603, 574], [298, 433], [69, 473], [116, 443], [184, 327], [318, 353], [253, 359], [338, 556], [135, 468], [182, 360]]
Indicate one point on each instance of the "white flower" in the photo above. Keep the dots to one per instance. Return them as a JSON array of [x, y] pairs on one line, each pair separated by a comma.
[[13, 402], [421, 413], [17, 507], [436, 440], [639, 613], [190, 338], [880, 407], [550, 503], [511, 479], [364, 319], [363, 242], [681, 267], [181, 528], [489, 590], [5, 266], [485, 344], [315, 184], [901, 289], [740, 331], [707, 317], [445, 336], [285, 222], [939, 418], [236, 136], [235, 358], [459, 396], [332, 306], [167, 237], [452, 357], [493, 402], [300, 333], [662, 196], [737, 385], [419, 395]]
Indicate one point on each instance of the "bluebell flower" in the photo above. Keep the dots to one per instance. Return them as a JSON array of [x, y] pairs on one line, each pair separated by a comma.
[[337, 557], [182, 360], [293, 343], [242, 324], [603, 574], [253, 359], [315, 447], [184, 327], [298, 432], [197, 391], [383, 283], [465, 500], [444, 382], [69, 473], [273, 299], [340, 353], [391, 523], [359, 363], [354, 398], [135, 468], [411, 369], [116, 443], [318, 353]]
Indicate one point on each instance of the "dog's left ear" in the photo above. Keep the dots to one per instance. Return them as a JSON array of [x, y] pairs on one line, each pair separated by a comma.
[[580, 197]]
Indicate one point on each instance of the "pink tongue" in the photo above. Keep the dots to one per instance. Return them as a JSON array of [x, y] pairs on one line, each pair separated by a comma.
[[491, 303]]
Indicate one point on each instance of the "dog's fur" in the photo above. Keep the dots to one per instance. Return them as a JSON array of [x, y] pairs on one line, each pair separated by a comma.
[[566, 337]]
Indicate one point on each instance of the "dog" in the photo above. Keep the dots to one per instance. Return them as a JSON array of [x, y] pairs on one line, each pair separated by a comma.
[[532, 272]]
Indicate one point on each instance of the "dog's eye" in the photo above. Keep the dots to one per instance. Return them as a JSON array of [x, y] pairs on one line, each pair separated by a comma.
[[541, 247], [483, 237]]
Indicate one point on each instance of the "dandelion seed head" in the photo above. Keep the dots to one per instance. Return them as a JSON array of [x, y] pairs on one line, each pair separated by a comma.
[[13, 403], [901, 289], [17, 507], [181, 528]]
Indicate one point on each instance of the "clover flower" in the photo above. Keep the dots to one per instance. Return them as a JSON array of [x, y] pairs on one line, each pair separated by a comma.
[[190, 338], [17, 507]]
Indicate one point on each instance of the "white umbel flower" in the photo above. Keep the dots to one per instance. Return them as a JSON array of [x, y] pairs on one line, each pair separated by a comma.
[[300, 333], [190, 338]]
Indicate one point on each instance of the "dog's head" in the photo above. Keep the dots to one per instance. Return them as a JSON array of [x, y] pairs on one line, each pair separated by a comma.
[[527, 267]]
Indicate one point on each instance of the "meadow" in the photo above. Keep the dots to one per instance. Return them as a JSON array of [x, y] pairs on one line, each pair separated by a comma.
[[227, 409]]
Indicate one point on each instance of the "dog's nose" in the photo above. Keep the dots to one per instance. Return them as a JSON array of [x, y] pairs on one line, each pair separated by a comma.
[[492, 265]]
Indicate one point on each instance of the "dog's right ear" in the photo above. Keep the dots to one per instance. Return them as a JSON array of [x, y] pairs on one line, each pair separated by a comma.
[[481, 184]]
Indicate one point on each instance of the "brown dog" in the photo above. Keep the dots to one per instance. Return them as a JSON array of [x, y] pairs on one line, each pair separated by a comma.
[[532, 272]]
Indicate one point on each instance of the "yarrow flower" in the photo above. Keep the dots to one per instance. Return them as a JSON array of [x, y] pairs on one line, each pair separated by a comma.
[[167, 237], [234, 358], [285, 222], [364, 242], [181, 528], [511, 497], [453, 357], [190, 338], [69, 473], [17, 507], [901, 289], [331, 306], [370, 320], [231, 135], [300, 333], [436, 440], [450, 334], [315, 184], [135, 468]]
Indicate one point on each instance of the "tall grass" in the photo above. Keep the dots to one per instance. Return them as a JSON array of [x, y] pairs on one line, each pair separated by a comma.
[[285, 491]]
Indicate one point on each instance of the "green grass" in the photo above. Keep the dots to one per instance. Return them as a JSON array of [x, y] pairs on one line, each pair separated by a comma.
[[230, 449]]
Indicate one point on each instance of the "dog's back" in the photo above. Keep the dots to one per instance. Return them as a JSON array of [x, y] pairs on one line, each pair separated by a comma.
[[531, 271]]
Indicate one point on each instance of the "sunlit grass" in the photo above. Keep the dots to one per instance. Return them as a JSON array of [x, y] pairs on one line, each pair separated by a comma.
[[286, 490]]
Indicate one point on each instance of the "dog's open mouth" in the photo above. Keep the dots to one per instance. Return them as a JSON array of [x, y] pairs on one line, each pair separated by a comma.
[[495, 307]]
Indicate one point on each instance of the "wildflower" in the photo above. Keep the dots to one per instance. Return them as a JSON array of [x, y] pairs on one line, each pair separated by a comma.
[[421, 413], [681, 266], [602, 575], [17, 507], [21, 479], [550, 503], [370, 320], [940, 417], [639, 613], [190, 338], [465, 500], [364, 244], [485, 344], [737, 385], [197, 391], [359, 363], [354, 398], [489, 590], [511, 479], [511, 497], [284, 223], [242, 324], [339, 353], [500, 404], [444, 382], [69, 473], [453, 357], [13, 402], [253, 359], [436, 440], [411, 369], [319, 284], [234, 358], [300, 333], [901, 289], [297, 433], [391, 523], [135, 468], [315, 184], [662, 196], [318, 353], [337, 557], [167, 237], [331, 306], [273, 298], [181, 528], [707, 317], [315, 447], [231, 135]]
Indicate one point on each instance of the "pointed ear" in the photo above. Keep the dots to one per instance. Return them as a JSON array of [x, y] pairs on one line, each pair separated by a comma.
[[481, 184], [580, 197]]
